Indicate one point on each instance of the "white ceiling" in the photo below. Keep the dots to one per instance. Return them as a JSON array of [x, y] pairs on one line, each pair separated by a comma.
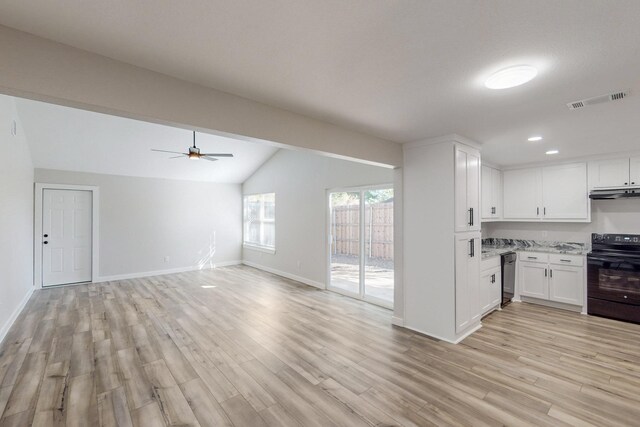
[[402, 70], [70, 139]]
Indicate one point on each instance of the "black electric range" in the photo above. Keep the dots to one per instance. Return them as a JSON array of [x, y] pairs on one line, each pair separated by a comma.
[[613, 276]]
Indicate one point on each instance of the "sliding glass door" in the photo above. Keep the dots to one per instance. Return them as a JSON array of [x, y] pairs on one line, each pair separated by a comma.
[[361, 244]]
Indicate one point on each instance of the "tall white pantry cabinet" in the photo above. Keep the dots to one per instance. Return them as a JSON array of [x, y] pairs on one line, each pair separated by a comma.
[[443, 250]]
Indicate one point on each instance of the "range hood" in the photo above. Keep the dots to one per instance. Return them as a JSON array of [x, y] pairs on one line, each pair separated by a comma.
[[614, 193]]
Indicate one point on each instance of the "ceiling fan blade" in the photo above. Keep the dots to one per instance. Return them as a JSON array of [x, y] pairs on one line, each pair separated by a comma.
[[178, 157], [211, 159], [165, 151], [217, 154]]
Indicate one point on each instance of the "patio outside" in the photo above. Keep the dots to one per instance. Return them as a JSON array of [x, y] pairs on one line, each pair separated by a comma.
[[378, 245]]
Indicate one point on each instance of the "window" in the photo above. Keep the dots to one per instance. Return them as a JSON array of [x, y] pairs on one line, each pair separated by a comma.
[[260, 221]]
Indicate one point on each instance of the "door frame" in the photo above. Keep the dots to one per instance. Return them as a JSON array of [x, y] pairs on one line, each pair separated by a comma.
[[37, 233], [361, 295]]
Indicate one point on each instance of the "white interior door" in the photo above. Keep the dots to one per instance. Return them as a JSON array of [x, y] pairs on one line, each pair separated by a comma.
[[66, 236]]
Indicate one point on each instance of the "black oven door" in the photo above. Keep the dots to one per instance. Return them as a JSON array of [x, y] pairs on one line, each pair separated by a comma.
[[614, 278]]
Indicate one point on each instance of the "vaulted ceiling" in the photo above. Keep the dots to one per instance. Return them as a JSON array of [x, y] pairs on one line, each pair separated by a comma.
[[401, 70], [70, 139]]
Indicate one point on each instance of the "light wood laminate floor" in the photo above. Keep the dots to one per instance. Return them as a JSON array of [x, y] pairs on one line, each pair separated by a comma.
[[236, 346]]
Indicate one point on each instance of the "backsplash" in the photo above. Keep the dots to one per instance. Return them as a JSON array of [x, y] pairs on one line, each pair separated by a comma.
[[607, 216], [531, 245]]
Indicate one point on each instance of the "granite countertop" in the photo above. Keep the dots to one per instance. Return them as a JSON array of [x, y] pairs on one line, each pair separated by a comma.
[[496, 247]]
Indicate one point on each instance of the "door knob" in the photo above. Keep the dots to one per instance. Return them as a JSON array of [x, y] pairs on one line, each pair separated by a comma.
[[45, 242]]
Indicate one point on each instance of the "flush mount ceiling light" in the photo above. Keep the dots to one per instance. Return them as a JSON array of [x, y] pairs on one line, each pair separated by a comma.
[[511, 77], [534, 138], [552, 152]]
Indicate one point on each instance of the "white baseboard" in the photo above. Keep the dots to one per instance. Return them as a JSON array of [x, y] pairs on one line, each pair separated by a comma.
[[455, 341], [398, 321], [552, 304], [5, 328], [163, 272], [286, 275]]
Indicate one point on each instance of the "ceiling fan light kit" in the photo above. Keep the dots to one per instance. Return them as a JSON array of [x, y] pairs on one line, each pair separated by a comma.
[[195, 154]]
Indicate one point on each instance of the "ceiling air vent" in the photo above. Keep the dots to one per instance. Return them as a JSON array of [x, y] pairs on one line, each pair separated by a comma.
[[598, 99]]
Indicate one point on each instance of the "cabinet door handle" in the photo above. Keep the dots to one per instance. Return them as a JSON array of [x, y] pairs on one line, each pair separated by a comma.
[[472, 248], [544, 211], [545, 272], [537, 211], [470, 216], [565, 260], [550, 273], [532, 257]]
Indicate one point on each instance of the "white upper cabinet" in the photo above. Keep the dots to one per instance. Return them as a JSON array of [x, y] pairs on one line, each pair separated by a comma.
[[552, 193], [467, 189], [491, 193], [522, 194], [614, 172], [496, 178], [634, 171], [564, 192]]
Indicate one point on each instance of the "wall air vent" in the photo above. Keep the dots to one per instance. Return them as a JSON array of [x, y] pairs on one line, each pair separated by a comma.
[[598, 99]]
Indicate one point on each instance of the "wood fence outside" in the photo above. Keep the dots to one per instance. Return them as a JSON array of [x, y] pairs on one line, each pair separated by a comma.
[[378, 230]]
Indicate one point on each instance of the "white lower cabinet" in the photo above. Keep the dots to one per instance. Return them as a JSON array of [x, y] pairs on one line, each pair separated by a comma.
[[558, 278], [533, 280], [468, 254], [566, 284], [490, 286]]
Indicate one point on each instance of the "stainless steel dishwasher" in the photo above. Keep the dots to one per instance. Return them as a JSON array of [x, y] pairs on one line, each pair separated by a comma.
[[508, 269]]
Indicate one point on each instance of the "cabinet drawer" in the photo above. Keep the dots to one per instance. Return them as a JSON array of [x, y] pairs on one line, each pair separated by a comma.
[[560, 259], [533, 257], [489, 263]]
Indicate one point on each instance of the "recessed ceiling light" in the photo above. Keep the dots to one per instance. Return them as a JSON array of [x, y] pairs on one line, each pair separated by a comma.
[[552, 152], [510, 77], [534, 138]]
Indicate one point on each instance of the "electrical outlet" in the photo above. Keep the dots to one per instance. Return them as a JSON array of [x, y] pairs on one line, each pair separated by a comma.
[[166, 259]]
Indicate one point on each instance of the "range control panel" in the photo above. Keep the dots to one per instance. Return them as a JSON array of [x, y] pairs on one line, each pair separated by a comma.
[[616, 239]]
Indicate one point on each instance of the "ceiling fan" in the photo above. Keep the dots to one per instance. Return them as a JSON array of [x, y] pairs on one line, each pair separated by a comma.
[[194, 153]]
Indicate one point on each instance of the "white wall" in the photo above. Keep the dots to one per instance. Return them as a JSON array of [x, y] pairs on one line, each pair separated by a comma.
[[607, 216], [16, 217], [142, 220], [300, 180]]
